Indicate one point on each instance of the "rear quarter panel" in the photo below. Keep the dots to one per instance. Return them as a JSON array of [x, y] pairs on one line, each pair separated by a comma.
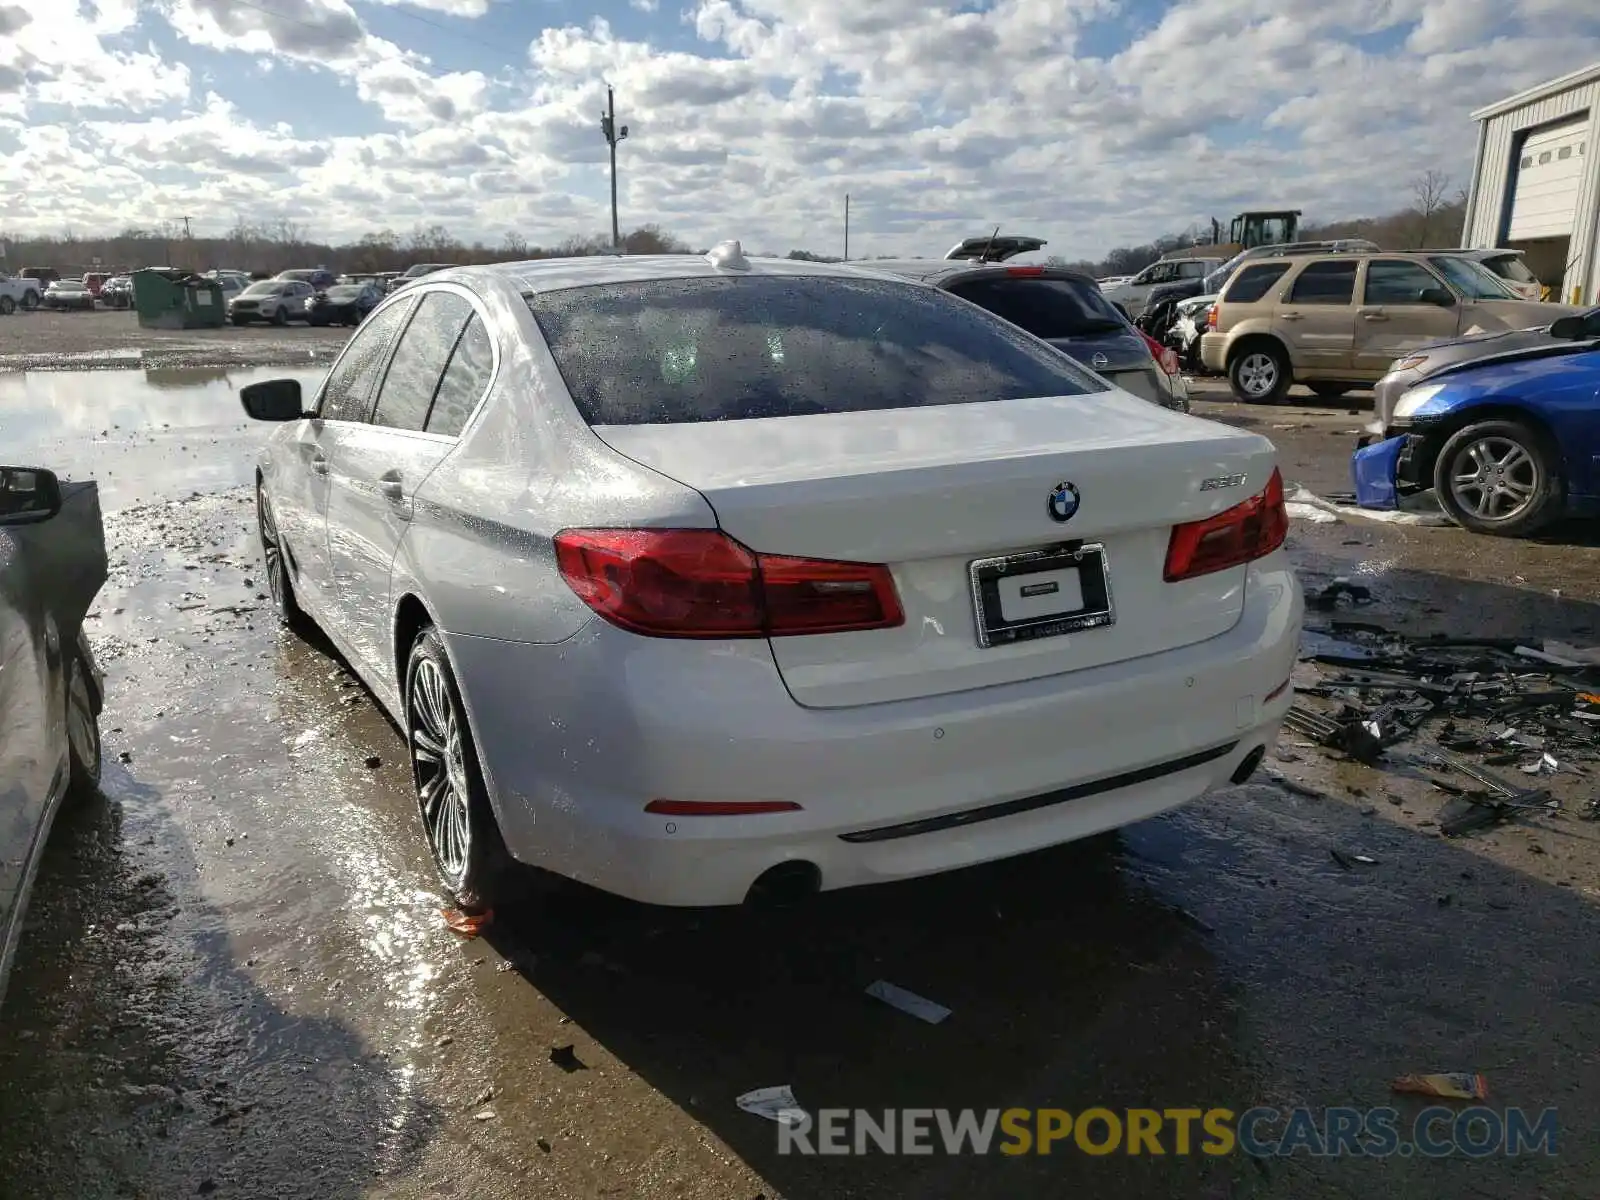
[[479, 551]]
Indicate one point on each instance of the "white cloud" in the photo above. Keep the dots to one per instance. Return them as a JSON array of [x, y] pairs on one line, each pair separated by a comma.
[[939, 119]]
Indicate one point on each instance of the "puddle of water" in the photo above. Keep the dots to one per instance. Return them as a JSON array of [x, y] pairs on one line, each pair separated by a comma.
[[155, 434]]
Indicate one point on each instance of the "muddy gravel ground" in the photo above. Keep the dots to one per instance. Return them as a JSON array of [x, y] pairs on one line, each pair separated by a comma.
[[235, 979], [106, 338]]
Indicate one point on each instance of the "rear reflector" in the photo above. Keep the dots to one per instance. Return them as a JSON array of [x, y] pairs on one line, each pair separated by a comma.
[[1025, 271], [1166, 358], [700, 583], [719, 808], [1244, 532]]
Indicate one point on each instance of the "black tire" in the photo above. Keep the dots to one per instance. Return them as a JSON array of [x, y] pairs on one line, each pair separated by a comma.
[[461, 831], [276, 564], [280, 315], [84, 751], [1259, 373], [7, 306], [1515, 486], [1328, 391]]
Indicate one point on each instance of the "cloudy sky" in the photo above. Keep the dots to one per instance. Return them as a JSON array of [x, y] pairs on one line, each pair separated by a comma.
[[1092, 123]]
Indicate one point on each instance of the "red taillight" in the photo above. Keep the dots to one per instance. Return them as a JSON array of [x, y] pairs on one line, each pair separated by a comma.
[[1211, 317], [1025, 271], [1244, 532], [1165, 358], [719, 808], [700, 583]]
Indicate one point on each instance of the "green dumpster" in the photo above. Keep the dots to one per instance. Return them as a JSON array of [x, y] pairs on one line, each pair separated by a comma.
[[167, 298]]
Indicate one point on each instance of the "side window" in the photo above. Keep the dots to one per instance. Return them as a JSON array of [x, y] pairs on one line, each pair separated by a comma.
[[464, 380], [1192, 270], [1395, 281], [419, 361], [1252, 283], [1329, 282], [347, 395]]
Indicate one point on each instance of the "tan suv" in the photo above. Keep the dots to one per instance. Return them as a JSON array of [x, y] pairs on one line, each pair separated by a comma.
[[1336, 321]]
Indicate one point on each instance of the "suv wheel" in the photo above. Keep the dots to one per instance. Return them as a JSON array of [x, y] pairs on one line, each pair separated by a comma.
[[1260, 374], [1498, 477], [280, 315], [7, 306]]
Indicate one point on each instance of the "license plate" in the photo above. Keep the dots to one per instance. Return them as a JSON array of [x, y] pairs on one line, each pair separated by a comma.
[[1041, 593]]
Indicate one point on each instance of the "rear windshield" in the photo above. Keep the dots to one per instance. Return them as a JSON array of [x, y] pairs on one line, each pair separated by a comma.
[[1472, 280], [1511, 266], [1046, 308], [719, 349]]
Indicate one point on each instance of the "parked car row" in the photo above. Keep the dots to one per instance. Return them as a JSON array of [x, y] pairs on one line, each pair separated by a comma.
[[282, 300]]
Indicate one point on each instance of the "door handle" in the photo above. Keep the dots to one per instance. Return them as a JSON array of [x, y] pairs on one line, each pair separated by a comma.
[[1290, 316], [319, 464], [389, 485], [1374, 317]]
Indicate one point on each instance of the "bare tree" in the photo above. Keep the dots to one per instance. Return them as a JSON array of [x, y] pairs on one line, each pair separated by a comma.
[[1428, 191], [515, 244]]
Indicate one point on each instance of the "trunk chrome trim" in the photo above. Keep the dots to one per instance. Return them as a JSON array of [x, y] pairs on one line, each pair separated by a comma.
[[1011, 808], [1097, 617]]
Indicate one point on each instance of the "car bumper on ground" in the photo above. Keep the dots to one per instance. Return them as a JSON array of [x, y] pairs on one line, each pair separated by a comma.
[[1214, 351], [576, 738]]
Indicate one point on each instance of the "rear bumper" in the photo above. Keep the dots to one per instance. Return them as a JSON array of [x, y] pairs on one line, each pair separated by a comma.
[[576, 738]]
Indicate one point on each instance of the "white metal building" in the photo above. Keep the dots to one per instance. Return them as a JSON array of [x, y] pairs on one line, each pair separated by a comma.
[[1536, 183]]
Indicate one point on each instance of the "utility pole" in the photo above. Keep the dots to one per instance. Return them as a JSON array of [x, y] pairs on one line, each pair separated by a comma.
[[608, 126], [187, 236], [847, 227]]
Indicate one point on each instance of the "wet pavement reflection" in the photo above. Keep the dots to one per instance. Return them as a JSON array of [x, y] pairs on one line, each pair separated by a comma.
[[235, 980], [154, 434]]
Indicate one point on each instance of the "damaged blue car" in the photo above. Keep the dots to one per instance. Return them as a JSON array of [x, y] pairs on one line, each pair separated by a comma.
[[1508, 442]]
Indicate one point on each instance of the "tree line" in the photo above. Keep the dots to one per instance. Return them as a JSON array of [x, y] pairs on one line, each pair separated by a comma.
[[270, 247], [1433, 219]]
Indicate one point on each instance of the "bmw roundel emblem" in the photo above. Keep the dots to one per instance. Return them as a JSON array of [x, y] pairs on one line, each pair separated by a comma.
[[1100, 360], [1063, 502]]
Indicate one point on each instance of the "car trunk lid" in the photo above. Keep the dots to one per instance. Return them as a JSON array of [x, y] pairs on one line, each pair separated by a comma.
[[932, 491]]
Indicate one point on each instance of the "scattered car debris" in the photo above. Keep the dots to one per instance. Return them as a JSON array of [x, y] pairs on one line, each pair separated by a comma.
[[775, 1104], [1531, 703], [1451, 1085], [1341, 588], [908, 1002], [467, 924]]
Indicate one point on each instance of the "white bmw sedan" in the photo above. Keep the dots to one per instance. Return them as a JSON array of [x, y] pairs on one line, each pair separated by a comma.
[[698, 578]]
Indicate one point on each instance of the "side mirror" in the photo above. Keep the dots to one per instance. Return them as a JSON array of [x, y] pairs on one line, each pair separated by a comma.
[[1436, 296], [28, 495], [273, 400], [1570, 329]]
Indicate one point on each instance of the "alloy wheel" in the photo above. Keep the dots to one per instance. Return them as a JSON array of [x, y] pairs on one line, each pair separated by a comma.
[[271, 549], [1494, 478], [82, 728], [1258, 374], [438, 758]]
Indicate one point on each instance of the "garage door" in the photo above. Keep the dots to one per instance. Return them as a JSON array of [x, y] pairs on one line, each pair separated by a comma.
[[1548, 174]]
